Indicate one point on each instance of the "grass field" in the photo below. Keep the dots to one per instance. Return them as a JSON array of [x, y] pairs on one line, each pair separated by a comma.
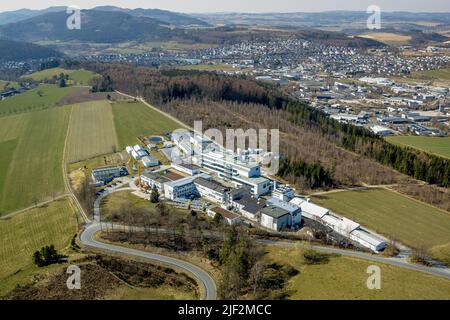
[[160, 293], [6, 85], [411, 222], [434, 145], [31, 149], [133, 119], [345, 278], [388, 38], [29, 231], [76, 77], [92, 132], [42, 97], [441, 74]]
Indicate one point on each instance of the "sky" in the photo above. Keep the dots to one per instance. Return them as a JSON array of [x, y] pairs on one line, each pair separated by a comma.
[[249, 6]]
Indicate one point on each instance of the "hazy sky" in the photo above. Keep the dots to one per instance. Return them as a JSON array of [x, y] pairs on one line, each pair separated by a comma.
[[241, 5]]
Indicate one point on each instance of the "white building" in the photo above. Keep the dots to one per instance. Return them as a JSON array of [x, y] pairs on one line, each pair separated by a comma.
[[382, 131], [284, 193], [211, 190], [275, 218], [189, 169], [229, 168], [295, 212], [183, 188], [150, 161], [310, 210], [229, 217]]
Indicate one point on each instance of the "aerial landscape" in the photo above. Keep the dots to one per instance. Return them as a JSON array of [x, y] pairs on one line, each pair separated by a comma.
[[153, 151]]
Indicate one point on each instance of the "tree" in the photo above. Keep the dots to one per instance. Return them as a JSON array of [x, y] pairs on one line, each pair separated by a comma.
[[62, 80], [154, 196], [46, 256]]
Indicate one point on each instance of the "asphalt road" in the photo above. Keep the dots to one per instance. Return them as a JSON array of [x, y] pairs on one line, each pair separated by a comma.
[[402, 263], [209, 286]]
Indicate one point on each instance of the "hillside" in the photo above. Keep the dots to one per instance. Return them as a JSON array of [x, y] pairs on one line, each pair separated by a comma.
[[174, 18], [23, 14], [17, 51], [97, 26]]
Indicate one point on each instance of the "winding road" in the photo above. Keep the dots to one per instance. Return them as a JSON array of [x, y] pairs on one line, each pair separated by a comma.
[[207, 282]]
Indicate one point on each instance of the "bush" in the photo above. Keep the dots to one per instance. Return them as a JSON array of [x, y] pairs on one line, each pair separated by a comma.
[[312, 257]]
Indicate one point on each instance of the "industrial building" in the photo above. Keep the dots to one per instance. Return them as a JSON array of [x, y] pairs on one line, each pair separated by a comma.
[[230, 168], [341, 225], [211, 190], [107, 174], [275, 218], [295, 213]]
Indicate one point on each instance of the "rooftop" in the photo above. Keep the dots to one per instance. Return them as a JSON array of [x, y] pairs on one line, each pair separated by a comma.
[[274, 212], [211, 184], [251, 204], [283, 205], [224, 213]]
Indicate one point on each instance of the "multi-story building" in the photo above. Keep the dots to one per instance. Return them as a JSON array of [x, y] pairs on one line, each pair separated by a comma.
[[229, 168]]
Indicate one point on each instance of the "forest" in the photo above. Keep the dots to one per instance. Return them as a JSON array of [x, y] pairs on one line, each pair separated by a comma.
[[175, 89]]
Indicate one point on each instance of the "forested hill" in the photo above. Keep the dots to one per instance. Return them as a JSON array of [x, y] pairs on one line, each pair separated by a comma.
[[96, 26], [161, 87], [18, 51]]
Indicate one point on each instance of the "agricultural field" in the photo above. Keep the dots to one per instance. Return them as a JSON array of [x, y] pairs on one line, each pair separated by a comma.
[[23, 234], [439, 146], [76, 77], [134, 119], [441, 74], [31, 172], [91, 132], [345, 278], [7, 85], [409, 221], [388, 38], [42, 97]]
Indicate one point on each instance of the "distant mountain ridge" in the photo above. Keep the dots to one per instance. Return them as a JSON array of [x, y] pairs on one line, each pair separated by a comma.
[[169, 17], [96, 27]]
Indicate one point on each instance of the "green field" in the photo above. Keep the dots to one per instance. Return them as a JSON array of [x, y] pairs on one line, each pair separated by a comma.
[[133, 119], [92, 131], [434, 145], [6, 85], [27, 232], [76, 77], [441, 74], [386, 212], [345, 278], [42, 97], [31, 149]]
